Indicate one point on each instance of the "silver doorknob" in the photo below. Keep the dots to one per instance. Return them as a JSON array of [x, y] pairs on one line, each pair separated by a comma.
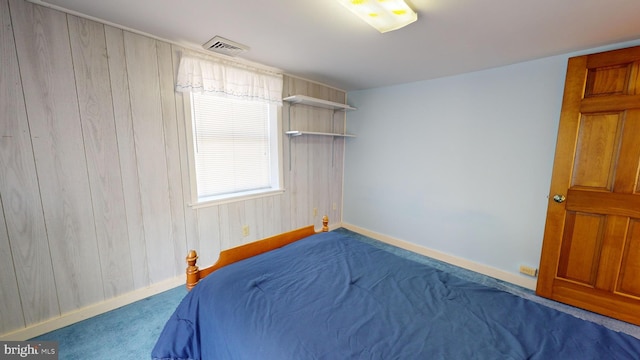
[[559, 198]]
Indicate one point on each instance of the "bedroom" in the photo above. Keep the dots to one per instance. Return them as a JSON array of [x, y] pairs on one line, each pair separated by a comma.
[[505, 120]]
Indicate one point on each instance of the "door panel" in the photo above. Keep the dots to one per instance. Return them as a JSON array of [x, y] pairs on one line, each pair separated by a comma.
[[597, 151], [629, 284], [591, 249], [580, 247], [628, 168], [611, 252], [607, 80]]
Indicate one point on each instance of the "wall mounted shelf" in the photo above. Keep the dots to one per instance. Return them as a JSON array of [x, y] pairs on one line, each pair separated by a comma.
[[298, 133], [307, 100], [318, 103]]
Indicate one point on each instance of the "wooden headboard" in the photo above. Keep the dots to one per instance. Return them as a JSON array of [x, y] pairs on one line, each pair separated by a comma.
[[230, 256]]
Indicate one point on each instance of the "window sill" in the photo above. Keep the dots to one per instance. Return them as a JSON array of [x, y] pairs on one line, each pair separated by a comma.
[[219, 200]]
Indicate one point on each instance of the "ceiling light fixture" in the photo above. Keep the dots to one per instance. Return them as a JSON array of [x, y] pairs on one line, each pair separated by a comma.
[[384, 15]]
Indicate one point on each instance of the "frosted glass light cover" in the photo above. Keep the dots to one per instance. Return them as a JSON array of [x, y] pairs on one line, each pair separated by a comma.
[[384, 15]]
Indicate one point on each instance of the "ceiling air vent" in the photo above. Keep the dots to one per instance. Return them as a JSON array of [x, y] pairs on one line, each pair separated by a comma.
[[224, 46]]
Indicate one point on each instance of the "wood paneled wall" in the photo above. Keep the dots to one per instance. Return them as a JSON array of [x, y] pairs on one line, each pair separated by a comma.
[[94, 183]]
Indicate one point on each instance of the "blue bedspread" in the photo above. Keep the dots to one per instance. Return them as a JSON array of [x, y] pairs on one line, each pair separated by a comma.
[[332, 297]]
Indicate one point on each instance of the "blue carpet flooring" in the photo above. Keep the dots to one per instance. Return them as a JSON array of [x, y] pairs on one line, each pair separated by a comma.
[[130, 332], [610, 323]]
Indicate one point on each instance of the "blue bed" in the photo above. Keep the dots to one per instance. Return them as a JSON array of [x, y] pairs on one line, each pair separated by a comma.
[[331, 296]]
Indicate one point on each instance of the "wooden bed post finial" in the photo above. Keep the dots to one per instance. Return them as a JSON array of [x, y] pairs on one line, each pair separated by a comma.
[[193, 273], [325, 223]]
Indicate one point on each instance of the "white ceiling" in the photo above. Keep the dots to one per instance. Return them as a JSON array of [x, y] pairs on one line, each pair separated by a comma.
[[322, 41]]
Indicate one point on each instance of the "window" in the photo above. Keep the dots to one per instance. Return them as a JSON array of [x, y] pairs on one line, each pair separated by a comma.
[[234, 144], [235, 147]]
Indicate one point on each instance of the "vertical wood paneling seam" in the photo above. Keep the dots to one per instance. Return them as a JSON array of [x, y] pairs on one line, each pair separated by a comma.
[[144, 231], [189, 143], [110, 241], [13, 262], [220, 232], [183, 148], [84, 153], [115, 126], [148, 130], [180, 194], [166, 160], [33, 156], [180, 166], [134, 155], [196, 215], [344, 158]]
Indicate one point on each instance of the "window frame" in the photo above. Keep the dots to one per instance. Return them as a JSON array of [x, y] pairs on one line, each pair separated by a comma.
[[275, 189]]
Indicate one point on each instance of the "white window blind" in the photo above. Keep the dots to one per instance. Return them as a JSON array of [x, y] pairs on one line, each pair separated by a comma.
[[234, 146]]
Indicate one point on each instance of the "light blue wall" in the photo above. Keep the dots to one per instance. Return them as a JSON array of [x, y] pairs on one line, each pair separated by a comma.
[[460, 164]]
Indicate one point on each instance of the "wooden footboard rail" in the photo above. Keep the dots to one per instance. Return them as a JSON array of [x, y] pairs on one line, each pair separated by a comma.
[[245, 251]]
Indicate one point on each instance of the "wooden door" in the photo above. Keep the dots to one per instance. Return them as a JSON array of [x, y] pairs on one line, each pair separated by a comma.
[[591, 250]]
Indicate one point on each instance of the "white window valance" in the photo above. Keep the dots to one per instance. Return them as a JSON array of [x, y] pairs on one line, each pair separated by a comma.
[[221, 78]]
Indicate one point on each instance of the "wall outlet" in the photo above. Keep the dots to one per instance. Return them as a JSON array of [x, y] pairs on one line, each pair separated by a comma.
[[527, 270], [245, 230], [335, 206], [315, 212]]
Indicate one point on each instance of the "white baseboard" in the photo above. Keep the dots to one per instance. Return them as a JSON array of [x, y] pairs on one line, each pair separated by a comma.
[[112, 304], [453, 260], [91, 310]]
